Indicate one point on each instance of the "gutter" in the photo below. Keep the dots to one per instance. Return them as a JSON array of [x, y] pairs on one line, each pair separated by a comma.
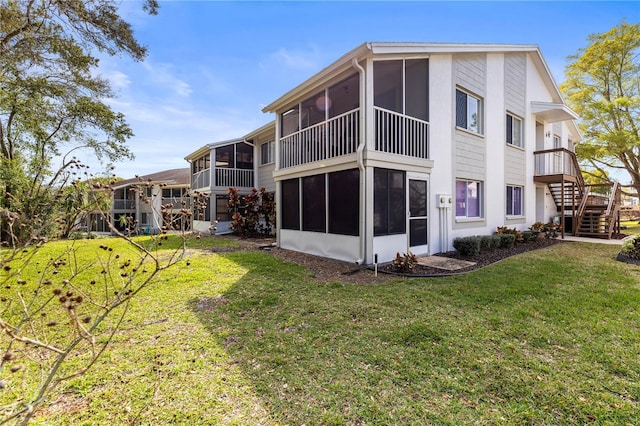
[[360, 159]]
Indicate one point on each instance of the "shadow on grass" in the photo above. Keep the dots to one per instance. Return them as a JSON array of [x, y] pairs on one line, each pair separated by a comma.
[[500, 345]]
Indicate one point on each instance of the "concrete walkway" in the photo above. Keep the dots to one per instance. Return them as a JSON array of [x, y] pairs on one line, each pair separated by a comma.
[[593, 240]]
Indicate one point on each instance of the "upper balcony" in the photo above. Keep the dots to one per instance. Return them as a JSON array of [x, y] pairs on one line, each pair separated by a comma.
[[224, 177], [333, 138]]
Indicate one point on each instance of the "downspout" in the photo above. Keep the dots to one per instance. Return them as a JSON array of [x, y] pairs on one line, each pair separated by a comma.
[[360, 159]]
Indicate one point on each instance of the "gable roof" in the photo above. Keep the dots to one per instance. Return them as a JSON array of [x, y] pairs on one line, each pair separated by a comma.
[[397, 48], [173, 177]]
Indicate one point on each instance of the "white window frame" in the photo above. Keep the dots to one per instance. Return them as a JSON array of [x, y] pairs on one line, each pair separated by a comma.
[[466, 201], [513, 203], [520, 141], [480, 112], [271, 153]]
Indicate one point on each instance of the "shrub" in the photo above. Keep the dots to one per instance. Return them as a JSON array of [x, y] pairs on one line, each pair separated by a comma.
[[529, 236], [467, 246], [550, 230], [631, 247], [404, 262], [495, 241], [485, 243], [507, 240], [253, 214], [513, 231]]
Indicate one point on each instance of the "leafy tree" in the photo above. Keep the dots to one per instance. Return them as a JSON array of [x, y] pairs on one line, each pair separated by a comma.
[[603, 86], [51, 100]]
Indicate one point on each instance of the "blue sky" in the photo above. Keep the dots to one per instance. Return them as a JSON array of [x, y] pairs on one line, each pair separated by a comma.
[[213, 65]]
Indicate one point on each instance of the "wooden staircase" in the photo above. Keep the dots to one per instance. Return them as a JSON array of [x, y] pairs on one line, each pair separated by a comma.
[[595, 209]]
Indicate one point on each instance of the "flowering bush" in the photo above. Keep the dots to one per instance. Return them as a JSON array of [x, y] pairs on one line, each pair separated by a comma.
[[404, 262]]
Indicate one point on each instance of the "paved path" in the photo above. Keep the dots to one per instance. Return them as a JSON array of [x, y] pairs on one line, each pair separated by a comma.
[[593, 240]]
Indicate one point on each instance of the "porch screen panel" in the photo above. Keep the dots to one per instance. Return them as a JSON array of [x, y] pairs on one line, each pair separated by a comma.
[[389, 208], [417, 88], [225, 156], [313, 110], [290, 121], [387, 85], [314, 203], [344, 202], [290, 204], [244, 156], [344, 96]]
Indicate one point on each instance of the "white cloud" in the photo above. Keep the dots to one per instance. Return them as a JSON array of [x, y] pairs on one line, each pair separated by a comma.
[[117, 79], [299, 60], [163, 74]]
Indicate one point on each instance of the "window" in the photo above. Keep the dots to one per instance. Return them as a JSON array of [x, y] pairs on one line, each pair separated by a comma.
[[468, 199], [143, 219], [290, 204], [344, 205], [557, 142], [203, 209], [389, 206], [468, 112], [222, 208], [267, 152], [314, 204], [514, 200], [514, 131]]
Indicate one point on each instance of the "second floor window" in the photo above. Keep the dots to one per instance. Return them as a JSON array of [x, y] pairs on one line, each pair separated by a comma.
[[514, 131], [267, 152], [468, 112]]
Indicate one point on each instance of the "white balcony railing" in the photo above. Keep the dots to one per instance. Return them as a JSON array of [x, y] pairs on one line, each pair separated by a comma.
[[201, 179], [399, 134], [234, 178], [123, 204], [333, 138], [176, 202]]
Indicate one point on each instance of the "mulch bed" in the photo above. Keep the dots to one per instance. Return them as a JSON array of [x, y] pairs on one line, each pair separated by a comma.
[[483, 259]]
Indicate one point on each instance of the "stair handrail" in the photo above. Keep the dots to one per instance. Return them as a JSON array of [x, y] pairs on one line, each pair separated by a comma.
[[612, 208], [581, 208]]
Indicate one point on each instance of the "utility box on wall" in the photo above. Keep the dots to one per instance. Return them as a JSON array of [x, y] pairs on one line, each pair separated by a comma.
[[444, 201]]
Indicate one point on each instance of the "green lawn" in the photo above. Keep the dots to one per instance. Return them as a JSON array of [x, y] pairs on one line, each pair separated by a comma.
[[632, 227], [241, 338]]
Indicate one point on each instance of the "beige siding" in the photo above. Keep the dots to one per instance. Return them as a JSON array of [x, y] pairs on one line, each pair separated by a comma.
[[515, 166], [265, 177], [515, 76], [471, 73], [470, 150], [470, 157]]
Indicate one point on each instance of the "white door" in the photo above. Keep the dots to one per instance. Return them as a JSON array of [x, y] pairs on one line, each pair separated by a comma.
[[418, 214]]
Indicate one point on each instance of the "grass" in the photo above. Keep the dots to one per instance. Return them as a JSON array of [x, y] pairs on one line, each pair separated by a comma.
[[632, 227], [548, 337]]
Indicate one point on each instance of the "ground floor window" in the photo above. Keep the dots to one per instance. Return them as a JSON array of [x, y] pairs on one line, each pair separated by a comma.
[[514, 200], [389, 203], [468, 199], [222, 208], [312, 202], [202, 209]]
